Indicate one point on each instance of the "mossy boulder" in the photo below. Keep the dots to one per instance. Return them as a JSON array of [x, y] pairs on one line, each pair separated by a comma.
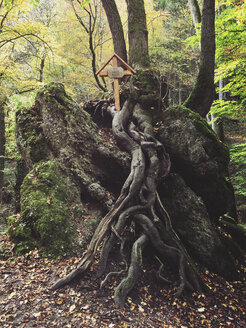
[[57, 136], [45, 219], [199, 157], [191, 221]]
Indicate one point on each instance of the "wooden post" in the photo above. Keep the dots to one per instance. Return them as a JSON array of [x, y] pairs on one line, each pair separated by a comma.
[[116, 73], [116, 87]]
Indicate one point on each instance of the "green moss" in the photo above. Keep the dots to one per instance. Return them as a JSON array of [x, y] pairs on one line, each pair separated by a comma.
[[54, 94], [45, 217], [56, 90], [30, 133], [147, 89], [201, 125], [124, 285], [147, 80], [38, 149], [20, 234], [127, 282], [89, 120]]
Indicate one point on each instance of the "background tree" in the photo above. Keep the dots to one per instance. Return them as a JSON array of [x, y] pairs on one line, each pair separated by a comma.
[[116, 28], [195, 12], [171, 54], [230, 107], [202, 96], [89, 25]]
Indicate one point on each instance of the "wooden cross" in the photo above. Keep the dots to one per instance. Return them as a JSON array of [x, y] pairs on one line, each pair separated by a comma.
[[116, 72]]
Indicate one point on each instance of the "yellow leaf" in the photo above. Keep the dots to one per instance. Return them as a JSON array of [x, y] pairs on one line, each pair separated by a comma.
[[140, 308]]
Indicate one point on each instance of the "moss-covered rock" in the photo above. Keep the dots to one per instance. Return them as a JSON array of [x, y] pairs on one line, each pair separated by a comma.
[[149, 90], [199, 157], [45, 220], [20, 234], [191, 221], [30, 138], [59, 142]]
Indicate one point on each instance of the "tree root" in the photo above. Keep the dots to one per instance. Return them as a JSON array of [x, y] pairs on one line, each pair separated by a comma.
[[158, 273], [110, 274], [134, 271], [137, 203]]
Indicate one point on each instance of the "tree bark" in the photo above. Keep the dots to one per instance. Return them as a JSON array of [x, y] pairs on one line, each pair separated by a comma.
[[195, 12], [138, 34], [202, 96], [41, 69], [115, 28]]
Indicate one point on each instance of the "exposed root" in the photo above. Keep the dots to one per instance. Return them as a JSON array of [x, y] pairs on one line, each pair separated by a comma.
[[136, 204], [99, 235], [158, 273], [134, 271], [169, 253]]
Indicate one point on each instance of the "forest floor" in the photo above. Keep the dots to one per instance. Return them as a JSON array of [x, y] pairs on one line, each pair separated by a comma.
[[26, 299]]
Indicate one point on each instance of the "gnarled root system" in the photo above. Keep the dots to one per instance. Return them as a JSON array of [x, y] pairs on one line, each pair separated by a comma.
[[137, 203]]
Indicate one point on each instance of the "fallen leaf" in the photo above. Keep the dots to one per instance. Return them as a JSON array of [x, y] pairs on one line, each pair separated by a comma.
[[140, 308], [72, 308]]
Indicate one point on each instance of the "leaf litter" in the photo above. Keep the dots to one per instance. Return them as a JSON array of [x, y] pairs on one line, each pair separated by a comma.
[[26, 300]]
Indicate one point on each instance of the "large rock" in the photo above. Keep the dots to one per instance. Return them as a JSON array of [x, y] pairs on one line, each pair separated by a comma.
[[45, 220], [57, 130], [191, 221], [200, 158]]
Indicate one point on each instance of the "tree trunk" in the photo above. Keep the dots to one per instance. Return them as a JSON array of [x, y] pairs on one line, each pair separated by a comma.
[[136, 203], [138, 34], [2, 146], [41, 69], [90, 30], [202, 96], [116, 28], [195, 12]]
